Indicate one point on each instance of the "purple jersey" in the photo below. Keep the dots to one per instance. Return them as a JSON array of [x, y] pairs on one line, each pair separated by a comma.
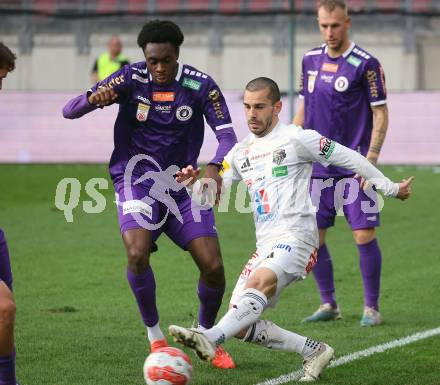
[[164, 122], [338, 95]]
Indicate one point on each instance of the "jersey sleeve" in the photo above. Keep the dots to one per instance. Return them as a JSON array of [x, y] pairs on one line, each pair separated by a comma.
[[120, 82], [301, 81], [374, 82], [311, 146], [228, 171], [216, 113]]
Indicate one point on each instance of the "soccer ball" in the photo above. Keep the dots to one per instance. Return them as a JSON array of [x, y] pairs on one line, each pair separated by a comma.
[[167, 366]]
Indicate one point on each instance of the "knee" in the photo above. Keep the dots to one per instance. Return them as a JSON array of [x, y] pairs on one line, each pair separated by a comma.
[[7, 311], [138, 259], [363, 236], [214, 273]]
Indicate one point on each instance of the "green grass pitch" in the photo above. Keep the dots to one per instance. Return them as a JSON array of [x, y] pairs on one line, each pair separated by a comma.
[[77, 322]]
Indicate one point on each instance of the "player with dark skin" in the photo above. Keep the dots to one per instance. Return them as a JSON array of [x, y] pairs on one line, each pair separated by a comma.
[[161, 61], [182, 90]]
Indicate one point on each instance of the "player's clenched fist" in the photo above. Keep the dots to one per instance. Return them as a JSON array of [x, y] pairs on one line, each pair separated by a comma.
[[405, 188], [103, 96]]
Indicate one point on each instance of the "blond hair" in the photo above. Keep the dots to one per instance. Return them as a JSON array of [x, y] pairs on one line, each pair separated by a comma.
[[331, 5]]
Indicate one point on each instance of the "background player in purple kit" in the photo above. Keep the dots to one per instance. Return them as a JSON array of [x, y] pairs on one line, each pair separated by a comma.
[[162, 105], [7, 304], [344, 99]]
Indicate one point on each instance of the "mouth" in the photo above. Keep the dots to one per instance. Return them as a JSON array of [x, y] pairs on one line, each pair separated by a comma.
[[161, 78]]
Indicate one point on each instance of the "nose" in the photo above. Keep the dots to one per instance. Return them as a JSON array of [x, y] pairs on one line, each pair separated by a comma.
[[160, 68]]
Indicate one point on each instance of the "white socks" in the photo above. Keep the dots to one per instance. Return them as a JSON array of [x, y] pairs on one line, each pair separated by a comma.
[[154, 333], [247, 311], [267, 334]]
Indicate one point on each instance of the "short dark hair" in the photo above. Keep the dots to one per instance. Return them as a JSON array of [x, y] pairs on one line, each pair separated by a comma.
[[261, 83], [331, 5], [160, 31], [7, 58]]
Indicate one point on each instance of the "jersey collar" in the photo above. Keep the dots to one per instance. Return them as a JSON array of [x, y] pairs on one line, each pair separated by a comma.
[[344, 54], [178, 75]]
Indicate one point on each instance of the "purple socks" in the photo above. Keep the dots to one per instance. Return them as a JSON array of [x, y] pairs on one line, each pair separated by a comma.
[[370, 260], [210, 302], [7, 370], [323, 272], [144, 289], [370, 263]]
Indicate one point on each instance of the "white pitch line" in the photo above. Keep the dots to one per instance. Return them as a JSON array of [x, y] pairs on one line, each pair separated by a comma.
[[296, 375]]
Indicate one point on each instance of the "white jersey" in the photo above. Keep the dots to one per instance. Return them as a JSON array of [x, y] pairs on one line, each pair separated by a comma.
[[277, 169]]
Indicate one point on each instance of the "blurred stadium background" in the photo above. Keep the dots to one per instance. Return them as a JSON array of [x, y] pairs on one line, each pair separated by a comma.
[[57, 42]]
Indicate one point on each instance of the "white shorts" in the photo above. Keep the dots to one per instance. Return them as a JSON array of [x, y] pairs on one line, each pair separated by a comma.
[[290, 261]]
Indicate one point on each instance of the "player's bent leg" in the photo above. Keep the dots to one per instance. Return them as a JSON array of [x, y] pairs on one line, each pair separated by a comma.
[[7, 319], [143, 285], [370, 262]]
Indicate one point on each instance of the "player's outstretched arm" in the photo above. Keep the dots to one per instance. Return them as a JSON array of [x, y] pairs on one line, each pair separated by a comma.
[[88, 102], [327, 152], [114, 89]]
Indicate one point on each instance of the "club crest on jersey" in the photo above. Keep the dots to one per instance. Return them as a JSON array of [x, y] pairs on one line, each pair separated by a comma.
[[184, 113], [142, 112], [341, 84], [311, 82], [279, 155]]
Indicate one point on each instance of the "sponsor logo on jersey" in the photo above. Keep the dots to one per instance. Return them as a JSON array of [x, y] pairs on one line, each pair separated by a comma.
[[142, 112], [139, 78], [163, 109], [279, 156], [382, 78], [191, 83], [163, 96], [214, 96], [280, 171], [114, 81], [184, 113], [260, 156], [330, 67], [282, 246], [372, 82], [327, 78], [354, 61], [262, 201], [326, 146], [246, 166], [143, 100], [341, 84]]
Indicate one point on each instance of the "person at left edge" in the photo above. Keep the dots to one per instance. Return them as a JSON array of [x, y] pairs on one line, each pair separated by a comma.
[[162, 104]]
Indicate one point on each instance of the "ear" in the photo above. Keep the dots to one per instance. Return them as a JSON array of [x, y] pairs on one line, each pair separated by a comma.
[[177, 53], [278, 106]]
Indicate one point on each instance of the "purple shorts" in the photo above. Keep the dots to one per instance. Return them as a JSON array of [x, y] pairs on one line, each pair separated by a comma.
[[175, 215], [361, 208], [5, 265]]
